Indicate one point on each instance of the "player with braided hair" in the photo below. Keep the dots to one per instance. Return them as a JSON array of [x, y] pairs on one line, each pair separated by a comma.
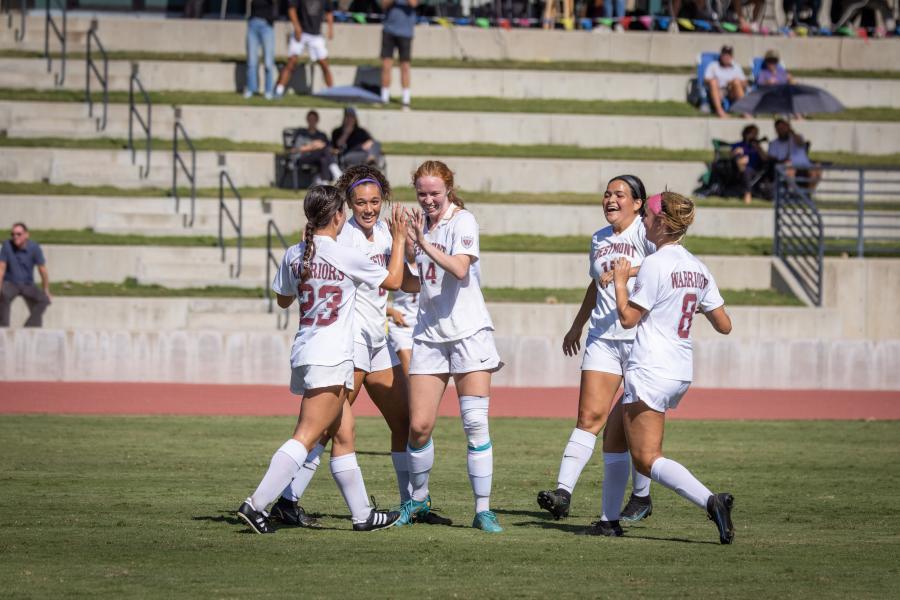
[[671, 287], [324, 276]]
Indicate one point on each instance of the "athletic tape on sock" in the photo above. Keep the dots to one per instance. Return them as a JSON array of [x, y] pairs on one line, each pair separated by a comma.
[[474, 411]]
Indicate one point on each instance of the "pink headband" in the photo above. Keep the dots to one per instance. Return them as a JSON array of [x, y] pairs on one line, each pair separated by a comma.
[[654, 202], [366, 180]]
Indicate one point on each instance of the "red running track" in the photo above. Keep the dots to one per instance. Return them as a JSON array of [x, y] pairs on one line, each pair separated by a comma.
[[196, 399]]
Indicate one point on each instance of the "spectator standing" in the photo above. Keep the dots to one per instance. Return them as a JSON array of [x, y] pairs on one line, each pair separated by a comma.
[[353, 144], [772, 72], [313, 148], [750, 158], [725, 79], [18, 257], [758, 6], [398, 32], [614, 9], [261, 34], [306, 18]]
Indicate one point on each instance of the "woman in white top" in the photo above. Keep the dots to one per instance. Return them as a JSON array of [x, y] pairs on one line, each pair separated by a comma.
[[324, 276], [453, 337], [671, 287], [606, 351]]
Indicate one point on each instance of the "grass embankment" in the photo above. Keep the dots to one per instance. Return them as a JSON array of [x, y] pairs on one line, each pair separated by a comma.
[[149, 512], [636, 108]]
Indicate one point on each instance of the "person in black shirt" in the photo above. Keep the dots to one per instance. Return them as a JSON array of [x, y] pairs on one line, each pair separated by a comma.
[[353, 144], [311, 147], [261, 33], [306, 19]]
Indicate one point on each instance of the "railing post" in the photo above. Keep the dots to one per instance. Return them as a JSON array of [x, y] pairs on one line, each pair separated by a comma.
[[221, 161], [20, 33], [134, 70], [175, 159], [860, 204], [776, 250]]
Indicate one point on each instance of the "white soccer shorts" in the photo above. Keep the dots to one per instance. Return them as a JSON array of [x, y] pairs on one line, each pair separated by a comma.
[[400, 337], [606, 356], [474, 353], [658, 393], [315, 44], [310, 377], [371, 360]]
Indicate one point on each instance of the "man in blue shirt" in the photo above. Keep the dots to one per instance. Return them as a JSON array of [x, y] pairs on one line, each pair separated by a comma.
[[18, 257], [399, 28]]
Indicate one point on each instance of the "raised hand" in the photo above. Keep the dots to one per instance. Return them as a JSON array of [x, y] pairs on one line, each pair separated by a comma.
[[622, 271], [398, 222]]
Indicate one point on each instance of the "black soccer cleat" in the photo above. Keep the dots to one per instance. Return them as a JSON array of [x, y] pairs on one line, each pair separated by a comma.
[[718, 509], [291, 513], [605, 528], [257, 520], [378, 519], [638, 508], [556, 503], [431, 518]]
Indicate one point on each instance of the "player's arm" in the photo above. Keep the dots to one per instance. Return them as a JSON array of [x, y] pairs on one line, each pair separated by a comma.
[[397, 270], [572, 339], [284, 301], [456, 264], [411, 283], [607, 277], [630, 314], [719, 319]]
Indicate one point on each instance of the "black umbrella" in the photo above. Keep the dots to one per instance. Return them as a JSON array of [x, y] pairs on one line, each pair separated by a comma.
[[789, 99], [349, 93]]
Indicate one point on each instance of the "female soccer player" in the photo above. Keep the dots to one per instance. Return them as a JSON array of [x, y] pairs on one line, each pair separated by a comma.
[[671, 286], [605, 352], [453, 337], [324, 276]]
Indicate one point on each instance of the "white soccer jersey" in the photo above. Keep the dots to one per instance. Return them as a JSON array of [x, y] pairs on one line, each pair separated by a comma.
[[371, 302], [449, 308], [671, 284], [327, 299], [606, 249], [407, 305]]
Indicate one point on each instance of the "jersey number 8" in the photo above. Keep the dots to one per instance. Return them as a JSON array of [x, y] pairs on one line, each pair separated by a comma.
[[328, 314], [688, 307]]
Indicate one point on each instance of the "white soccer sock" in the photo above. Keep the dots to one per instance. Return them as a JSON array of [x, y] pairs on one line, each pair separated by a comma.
[[678, 479], [385, 95], [294, 490], [576, 455], [421, 460], [480, 452], [335, 170], [349, 479], [406, 96], [616, 467], [640, 484], [279, 89], [401, 466], [285, 463]]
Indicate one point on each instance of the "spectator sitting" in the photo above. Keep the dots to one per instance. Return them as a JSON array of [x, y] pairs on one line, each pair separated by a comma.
[[725, 79], [353, 144], [790, 149], [311, 146], [750, 158], [772, 72], [18, 257]]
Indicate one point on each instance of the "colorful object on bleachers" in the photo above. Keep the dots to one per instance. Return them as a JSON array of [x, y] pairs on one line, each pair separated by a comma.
[[686, 24], [568, 23], [605, 21], [702, 25], [505, 24], [443, 22], [845, 31], [359, 18], [863, 33], [625, 22], [482, 22], [587, 24], [664, 22], [646, 21], [462, 21], [730, 27]]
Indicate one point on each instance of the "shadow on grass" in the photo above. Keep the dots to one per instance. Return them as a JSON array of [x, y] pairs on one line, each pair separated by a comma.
[[534, 514], [228, 518]]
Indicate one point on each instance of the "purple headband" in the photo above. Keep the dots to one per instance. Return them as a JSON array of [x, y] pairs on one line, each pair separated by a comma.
[[654, 202], [366, 180]]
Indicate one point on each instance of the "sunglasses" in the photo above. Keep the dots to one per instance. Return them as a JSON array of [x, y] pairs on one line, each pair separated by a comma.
[[17, 234]]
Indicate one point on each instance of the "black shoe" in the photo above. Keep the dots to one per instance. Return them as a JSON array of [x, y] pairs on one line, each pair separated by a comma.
[[637, 508], [378, 519], [291, 513], [556, 503], [718, 509], [431, 518], [257, 520], [607, 528]]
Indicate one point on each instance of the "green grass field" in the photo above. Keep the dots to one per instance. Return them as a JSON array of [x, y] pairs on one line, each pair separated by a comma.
[[142, 507]]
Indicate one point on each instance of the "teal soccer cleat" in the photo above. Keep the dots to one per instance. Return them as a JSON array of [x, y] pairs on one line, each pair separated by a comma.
[[486, 521], [409, 509]]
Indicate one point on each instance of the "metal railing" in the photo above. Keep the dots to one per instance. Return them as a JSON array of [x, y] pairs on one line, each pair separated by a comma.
[[238, 225], [133, 114], [91, 67], [799, 236], [273, 261], [60, 34], [19, 33], [179, 164]]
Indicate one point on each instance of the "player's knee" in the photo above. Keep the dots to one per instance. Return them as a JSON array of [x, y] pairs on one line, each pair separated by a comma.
[[420, 431], [474, 410], [591, 420], [643, 461]]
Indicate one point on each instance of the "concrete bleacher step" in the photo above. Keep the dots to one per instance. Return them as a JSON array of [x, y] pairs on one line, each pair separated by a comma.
[[161, 75], [227, 38], [265, 124]]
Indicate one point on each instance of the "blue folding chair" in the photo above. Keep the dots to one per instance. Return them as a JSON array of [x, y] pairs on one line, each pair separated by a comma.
[[757, 68], [704, 59]]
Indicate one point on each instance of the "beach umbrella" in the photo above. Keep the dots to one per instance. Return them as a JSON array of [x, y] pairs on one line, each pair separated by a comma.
[[349, 93], [788, 99]]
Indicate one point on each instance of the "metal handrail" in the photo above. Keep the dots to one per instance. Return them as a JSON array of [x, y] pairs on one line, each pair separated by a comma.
[[50, 22], [238, 225], [91, 67], [133, 114], [272, 261], [178, 161], [799, 235], [19, 33]]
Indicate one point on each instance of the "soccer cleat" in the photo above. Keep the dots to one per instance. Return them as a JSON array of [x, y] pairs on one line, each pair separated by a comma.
[[257, 520], [486, 521], [291, 513], [378, 519], [718, 509], [556, 503], [409, 509], [605, 528], [430, 518], [638, 508]]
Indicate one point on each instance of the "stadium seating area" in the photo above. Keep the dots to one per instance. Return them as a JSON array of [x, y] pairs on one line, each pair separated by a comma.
[[531, 162]]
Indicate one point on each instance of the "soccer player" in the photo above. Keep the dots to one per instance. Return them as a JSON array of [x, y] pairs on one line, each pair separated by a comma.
[[324, 276], [605, 353], [671, 287], [453, 337], [365, 190], [401, 322], [307, 35]]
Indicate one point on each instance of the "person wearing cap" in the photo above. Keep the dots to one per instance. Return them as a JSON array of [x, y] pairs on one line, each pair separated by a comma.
[[772, 72], [725, 79], [352, 143]]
